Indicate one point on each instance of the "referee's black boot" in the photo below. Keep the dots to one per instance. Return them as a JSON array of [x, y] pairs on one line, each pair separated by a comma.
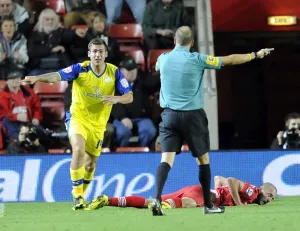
[[214, 209], [156, 208]]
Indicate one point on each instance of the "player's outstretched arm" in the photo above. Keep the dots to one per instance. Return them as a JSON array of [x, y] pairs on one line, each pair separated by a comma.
[[47, 78], [235, 186], [236, 59]]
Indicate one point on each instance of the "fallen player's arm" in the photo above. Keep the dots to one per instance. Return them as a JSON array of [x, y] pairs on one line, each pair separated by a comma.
[[220, 181], [51, 77], [235, 186], [236, 59], [126, 98]]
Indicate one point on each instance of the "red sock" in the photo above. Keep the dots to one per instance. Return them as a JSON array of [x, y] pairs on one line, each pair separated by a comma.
[[129, 201]]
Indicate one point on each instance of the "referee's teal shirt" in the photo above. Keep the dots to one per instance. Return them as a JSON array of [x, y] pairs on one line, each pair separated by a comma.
[[181, 74]]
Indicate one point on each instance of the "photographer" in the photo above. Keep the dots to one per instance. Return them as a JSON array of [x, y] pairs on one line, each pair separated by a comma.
[[28, 142], [290, 137]]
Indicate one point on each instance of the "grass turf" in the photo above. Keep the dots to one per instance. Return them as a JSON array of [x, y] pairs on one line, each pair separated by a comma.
[[281, 214]]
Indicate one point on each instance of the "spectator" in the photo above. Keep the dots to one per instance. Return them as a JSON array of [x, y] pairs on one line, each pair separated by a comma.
[[114, 8], [98, 30], [13, 47], [161, 19], [19, 104], [19, 13], [110, 130], [49, 43], [290, 137], [135, 116], [27, 142], [83, 11]]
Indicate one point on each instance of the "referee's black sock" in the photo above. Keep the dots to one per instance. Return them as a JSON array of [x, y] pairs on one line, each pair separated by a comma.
[[161, 177], [205, 178]]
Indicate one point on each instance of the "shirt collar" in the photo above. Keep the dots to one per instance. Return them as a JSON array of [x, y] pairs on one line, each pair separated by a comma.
[[181, 48]]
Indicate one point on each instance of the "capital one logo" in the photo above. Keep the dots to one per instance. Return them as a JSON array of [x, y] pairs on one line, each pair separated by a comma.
[[274, 171], [14, 187]]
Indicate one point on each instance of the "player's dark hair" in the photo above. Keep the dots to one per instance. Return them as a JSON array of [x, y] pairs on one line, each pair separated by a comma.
[[8, 18], [97, 41], [184, 35]]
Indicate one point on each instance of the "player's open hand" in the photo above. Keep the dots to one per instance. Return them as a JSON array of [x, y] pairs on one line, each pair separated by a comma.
[[264, 52], [110, 100], [29, 80]]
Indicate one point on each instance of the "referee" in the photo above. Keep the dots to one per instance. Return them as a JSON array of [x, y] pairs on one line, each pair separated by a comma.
[[183, 118]]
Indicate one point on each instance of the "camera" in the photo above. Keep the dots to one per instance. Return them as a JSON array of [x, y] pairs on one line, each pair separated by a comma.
[[30, 137], [291, 138]]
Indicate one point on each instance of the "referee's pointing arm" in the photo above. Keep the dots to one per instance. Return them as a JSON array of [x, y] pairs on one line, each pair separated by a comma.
[[183, 33], [236, 59]]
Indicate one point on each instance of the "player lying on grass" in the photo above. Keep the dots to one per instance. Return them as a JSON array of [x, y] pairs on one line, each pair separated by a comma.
[[228, 192]]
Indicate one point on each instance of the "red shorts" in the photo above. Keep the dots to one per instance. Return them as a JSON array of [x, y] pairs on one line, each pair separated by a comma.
[[194, 192]]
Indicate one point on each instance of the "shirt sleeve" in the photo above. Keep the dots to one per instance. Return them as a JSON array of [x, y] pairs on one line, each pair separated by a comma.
[[210, 62], [69, 73], [122, 84], [249, 192]]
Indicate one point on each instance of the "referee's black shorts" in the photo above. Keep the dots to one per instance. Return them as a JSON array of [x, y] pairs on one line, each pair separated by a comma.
[[179, 126]]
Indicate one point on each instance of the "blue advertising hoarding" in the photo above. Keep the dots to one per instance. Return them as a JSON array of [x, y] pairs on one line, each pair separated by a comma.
[[46, 177]]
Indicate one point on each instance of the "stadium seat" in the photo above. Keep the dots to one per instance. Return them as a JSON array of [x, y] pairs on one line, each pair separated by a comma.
[[50, 90], [58, 6], [127, 34], [132, 149], [2, 84], [139, 58], [152, 58], [53, 112], [74, 27], [56, 150]]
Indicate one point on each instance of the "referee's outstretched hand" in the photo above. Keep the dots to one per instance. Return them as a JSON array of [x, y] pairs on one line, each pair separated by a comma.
[[263, 52], [29, 80]]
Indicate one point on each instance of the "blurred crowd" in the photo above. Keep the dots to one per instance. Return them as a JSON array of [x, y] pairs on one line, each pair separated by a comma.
[[32, 44]]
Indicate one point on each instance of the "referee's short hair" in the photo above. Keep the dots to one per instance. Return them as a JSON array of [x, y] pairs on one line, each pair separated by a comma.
[[97, 41], [184, 35]]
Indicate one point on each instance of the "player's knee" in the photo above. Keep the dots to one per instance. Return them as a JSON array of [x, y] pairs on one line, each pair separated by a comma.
[[78, 150], [204, 159], [90, 167]]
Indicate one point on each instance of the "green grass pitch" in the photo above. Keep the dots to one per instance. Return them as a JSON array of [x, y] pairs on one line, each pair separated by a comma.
[[281, 214]]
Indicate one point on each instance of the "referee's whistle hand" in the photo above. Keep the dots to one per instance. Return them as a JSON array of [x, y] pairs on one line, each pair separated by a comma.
[[264, 52]]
